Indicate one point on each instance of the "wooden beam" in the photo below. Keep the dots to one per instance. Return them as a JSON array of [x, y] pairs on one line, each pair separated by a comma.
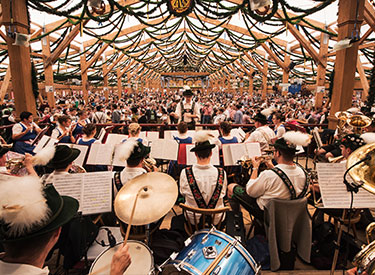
[[96, 56], [126, 68], [264, 81], [110, 68], [346, 59], [321, 73], [286, 72], [369, 14], [48, 72], [259, 67], [19, 57], [365, 36], [84, 78], [306, 44], [65, 43], [5, 85], [363, 79]]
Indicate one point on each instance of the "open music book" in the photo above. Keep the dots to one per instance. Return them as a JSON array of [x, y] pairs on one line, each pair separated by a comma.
[[92, 190], [115, 138], [45, 141], [333, 189], [164, 149], [40, 135], [152, 135], [238, 133], [80, 160], [192, 159], [104, 154], [234, 151]]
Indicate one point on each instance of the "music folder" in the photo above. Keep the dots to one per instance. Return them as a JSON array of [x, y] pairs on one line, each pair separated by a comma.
[[164, 149], [192, 159], [45, 141], [40, 135], [104, 154]]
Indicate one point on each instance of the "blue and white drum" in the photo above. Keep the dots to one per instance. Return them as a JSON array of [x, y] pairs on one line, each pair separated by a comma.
[[211, 252]]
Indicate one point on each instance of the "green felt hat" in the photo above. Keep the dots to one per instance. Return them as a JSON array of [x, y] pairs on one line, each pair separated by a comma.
[[63, 156]]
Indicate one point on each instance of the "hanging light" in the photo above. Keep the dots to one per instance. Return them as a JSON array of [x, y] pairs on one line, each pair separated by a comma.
[[94, 3], [260, 6]]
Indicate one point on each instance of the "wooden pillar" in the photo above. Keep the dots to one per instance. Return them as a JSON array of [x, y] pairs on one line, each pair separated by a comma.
[[19, 56], [346, 59], [129, 83], [363, 78], [286, 73], [5, 85], [264, 80], [84, 79], [119, 84], [105, 81], [321, 73], [251, 83], [48, 71]]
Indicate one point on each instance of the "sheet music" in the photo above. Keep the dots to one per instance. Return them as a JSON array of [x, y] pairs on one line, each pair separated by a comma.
[[40, 145], [253, 149], [152, 135], [97, 193], [40, 135], [116, 160], [333, 189], [115, 138], [101, 134], [164, 149], [92, 190], [191, 158], [81, 158], [227, 155], [317, 138], [100, 154], [238, 133], [142, 135]]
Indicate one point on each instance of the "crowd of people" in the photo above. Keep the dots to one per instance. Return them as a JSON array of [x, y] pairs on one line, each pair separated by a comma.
[[276, 122]]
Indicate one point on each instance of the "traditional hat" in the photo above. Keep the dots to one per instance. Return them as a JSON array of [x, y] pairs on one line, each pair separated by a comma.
[[260, 118], [29, 209], [187, 91], [202, 141], [290, 140], [3, 151], [352, 141], [63, 156], [132, 150]]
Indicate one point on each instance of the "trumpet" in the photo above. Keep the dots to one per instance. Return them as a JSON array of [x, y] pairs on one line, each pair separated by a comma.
[[247, 163], [15, 165], [149, 164]]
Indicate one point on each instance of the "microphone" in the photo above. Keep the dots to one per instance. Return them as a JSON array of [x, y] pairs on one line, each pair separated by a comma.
[[111, 238], [351, 186]]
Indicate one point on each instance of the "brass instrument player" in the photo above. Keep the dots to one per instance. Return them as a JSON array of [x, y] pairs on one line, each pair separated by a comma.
[[287, 180]]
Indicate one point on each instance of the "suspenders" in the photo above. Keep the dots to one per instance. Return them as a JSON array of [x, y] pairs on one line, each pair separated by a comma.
[[197, 193], [289, 184]]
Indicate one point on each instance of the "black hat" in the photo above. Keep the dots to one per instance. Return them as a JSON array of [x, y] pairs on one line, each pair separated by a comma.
[[63, 156], [188, 93], [352, 141], [3, 151], [140, 151], [283, 145], [56, 210], [260, 118]]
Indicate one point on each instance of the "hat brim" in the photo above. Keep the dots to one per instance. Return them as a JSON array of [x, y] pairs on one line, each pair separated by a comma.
[[71, 158], [202, 147], [143, 154], [187, 93], [69, 209]]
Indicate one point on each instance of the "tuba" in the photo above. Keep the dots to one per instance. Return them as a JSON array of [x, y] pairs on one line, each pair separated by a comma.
[[363, 173], [342, 120], [359, 122], [365, 259]]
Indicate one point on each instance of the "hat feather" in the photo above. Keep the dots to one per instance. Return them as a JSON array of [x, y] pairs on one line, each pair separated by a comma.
[[267, 112], [22, 204], [44, 156], [202, 136], [353, 110], [368, 138], [125, 150], [186, 87], [297, 138]]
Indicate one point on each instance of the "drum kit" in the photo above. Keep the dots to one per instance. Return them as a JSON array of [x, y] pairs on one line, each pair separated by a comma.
[[150, 197]]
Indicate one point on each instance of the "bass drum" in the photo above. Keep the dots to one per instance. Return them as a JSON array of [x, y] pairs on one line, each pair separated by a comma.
[[211, 252], [142, 261]]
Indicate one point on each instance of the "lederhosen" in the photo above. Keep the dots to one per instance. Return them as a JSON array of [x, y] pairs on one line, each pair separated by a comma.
[[197, 193], [191, 124]]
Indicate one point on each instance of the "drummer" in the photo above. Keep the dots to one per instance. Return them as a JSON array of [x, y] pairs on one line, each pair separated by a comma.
[[29, 236], [203, 179]]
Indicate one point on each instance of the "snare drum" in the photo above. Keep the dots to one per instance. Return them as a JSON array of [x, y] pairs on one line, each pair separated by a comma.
[[142, 261], [211, 250]]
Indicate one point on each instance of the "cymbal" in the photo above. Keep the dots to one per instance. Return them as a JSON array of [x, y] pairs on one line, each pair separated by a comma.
[[157, 196]]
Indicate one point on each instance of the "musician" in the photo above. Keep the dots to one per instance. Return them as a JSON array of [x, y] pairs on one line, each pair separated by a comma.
[[23, 134], [133, 152], [134, 130], [286, 180], [226, 138], [187, 110], [64, 132], [203, 179], [81, 122], [263, 134], [89, 131], [31, 223]]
